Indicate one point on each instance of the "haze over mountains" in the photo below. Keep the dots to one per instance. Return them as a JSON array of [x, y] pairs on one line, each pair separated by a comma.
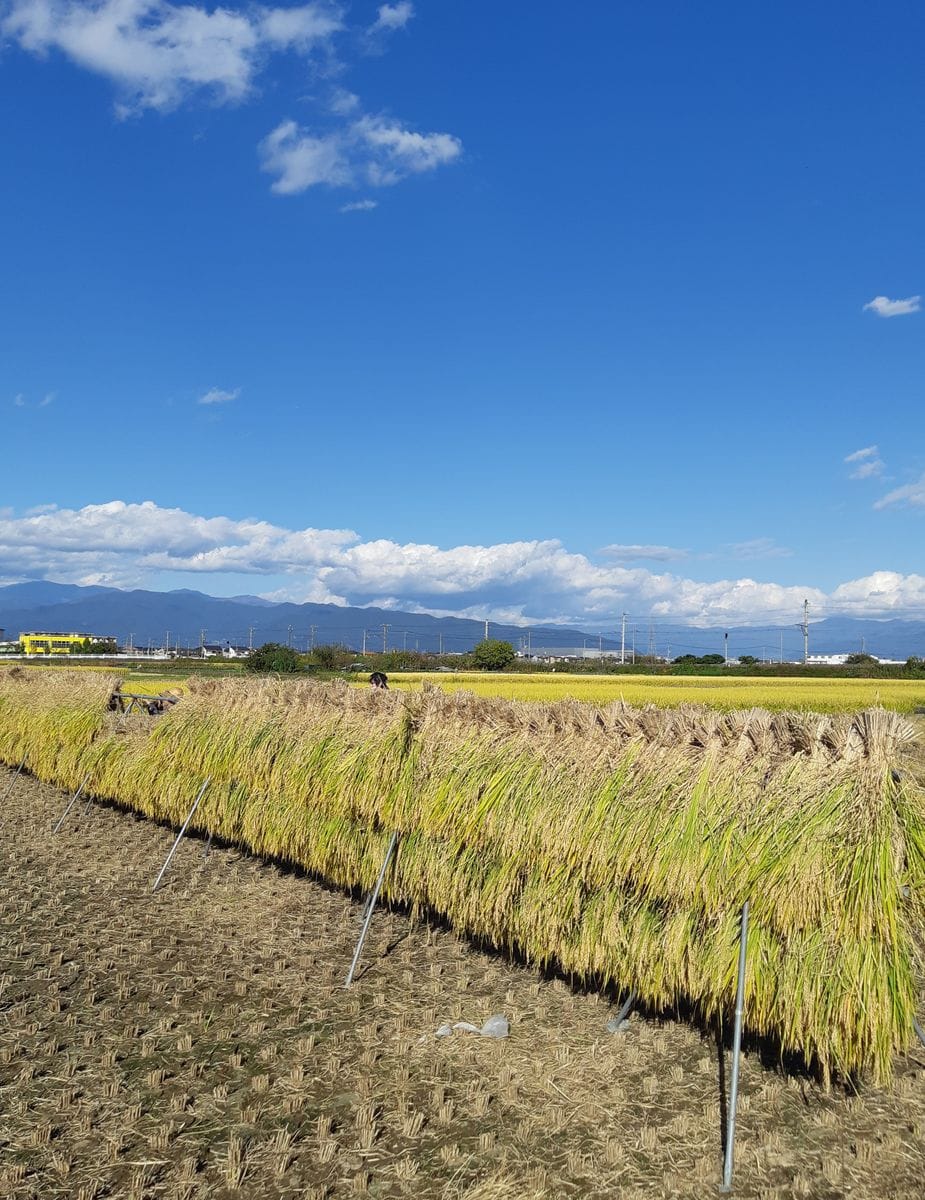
[[148, 617]]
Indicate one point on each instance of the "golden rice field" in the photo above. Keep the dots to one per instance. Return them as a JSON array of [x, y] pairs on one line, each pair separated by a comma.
[[668, 691]]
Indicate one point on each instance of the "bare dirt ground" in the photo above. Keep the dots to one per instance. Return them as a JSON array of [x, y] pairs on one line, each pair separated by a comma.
[[199, 1043]]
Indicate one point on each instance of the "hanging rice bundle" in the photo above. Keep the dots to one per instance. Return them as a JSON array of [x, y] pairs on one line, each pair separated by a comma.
[[619, 844]]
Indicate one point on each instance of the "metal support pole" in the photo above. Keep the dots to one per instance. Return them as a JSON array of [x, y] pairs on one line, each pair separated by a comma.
[[371, 906], [205, 853], [736, 1047], [615, 1023], [74, 800], [189, 817], [919, 1031], [9, 790]]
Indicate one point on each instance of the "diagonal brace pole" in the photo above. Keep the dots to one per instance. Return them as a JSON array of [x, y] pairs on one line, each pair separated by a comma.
[[615, 1024], [189, 817], [371, 907], [74, 799], [9, 790], [736, 1047]]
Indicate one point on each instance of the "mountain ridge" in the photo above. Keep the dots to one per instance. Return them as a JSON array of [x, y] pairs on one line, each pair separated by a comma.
[[188, 615]]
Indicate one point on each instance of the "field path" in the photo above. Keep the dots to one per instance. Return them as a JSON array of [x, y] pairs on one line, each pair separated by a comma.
[[199, 1043]]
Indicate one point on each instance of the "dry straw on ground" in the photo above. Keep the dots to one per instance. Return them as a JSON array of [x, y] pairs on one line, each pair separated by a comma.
[[619, 844]]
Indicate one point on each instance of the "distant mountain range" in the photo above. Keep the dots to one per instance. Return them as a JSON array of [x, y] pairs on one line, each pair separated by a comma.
[[184, 616]]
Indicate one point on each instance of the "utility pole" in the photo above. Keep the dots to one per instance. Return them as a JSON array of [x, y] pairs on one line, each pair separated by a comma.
[[385, 630], [311, 644], [528, 643], [404, 644], [781, 647], [440, 636], [726, 649], [652, 639], [167, 641], [289, 636], [486, 631], [250, 637], [634, 645], [623, 639], [600, 646], [804, 627], [202, 643], [364, 641]]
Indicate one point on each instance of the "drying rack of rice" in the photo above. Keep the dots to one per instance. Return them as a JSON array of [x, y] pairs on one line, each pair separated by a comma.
[[617, 844]]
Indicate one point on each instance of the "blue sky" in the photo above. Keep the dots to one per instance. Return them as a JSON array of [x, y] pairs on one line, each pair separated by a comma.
[[498, 309]]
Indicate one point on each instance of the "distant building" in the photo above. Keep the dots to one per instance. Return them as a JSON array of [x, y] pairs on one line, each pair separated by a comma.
[[564, 653], [826, 660], [224, 650], [55, 643]]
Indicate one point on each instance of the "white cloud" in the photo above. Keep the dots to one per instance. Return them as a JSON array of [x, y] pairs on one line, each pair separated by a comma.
[[219, 396], [755, 548], [634, 552], [871, 469], [392, 16], [884, 307], [368, 151], [300, 160], [404, 150], [134, 544], [911, 494], [20, 400], [158, 53], [869, 463], [359, 206], [343, 103]]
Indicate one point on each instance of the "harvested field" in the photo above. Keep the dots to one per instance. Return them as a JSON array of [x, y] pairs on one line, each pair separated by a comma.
[[199, 1043]]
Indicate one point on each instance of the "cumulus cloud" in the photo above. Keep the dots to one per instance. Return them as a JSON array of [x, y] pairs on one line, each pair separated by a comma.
[[392, 16], [158, 53], [884, 307], [359, 206], [219, 396], [370, 151], [530, 581], [911, 495]]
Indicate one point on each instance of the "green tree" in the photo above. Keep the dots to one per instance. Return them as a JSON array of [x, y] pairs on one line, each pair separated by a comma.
[[493, 655], [272, 656], [91, 645], [331, 657], [747, 660]]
